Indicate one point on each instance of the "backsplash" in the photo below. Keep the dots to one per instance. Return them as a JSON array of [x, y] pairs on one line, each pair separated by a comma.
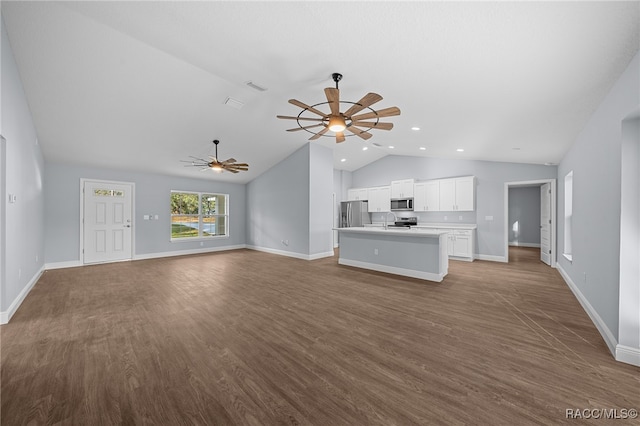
[[429, 217]]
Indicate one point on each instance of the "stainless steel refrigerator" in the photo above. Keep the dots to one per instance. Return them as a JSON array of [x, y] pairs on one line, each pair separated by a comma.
[[354, 213]]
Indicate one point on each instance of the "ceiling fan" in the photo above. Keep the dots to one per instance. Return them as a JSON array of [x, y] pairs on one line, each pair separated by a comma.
[[229, 165], [337, 121]]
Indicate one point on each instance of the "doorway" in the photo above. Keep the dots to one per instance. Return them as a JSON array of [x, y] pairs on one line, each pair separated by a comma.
[[106, 215], [541, 222]]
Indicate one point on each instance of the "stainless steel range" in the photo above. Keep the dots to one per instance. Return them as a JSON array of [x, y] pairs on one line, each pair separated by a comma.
[[405, 222]]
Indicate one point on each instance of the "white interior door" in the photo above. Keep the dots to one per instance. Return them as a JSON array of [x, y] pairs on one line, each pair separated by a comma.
[[107, 221], [545, 223]]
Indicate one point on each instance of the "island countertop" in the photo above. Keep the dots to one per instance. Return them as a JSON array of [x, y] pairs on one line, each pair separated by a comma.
[[405, 232], [416, 253]]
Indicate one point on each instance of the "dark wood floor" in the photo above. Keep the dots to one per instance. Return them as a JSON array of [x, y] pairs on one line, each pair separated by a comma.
[[245, 337]]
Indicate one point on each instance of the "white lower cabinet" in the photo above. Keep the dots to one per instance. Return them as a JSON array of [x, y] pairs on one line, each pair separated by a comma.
[[462, 246], [459, 242]]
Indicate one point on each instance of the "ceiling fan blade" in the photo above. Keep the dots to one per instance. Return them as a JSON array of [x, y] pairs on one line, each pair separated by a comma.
[[333, 97], [372, 125], [238, 165], [320, 133], [366, 101], [288, 117], [304, 128], [387, 112], [359, 132], [307, 107], [230, 160], [340, 137]]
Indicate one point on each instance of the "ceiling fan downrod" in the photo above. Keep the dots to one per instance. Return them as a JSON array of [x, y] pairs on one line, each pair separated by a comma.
[[336, 77]]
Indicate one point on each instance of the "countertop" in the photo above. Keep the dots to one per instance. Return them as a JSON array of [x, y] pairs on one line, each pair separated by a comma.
[[444, 225], [403, 232]]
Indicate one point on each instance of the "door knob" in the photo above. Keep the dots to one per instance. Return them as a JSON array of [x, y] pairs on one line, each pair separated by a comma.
[[127, 226]]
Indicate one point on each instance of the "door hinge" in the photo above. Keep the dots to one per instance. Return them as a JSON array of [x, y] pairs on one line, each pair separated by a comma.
[[549, 220], [549, 251]]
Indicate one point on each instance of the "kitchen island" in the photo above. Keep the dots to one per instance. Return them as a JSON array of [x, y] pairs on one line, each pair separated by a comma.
[[416, 253]]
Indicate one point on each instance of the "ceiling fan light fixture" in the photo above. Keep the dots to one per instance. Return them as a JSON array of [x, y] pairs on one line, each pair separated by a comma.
[[337, 124]]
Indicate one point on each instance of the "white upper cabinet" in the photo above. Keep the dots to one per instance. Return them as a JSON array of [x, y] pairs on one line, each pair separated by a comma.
[[402, 188], [380, 199], [426, 196], [457, 194], [357, 194]]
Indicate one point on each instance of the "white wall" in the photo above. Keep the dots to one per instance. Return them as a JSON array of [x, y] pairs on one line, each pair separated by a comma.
[[628, 348], [524, 208], [320, 200], [289, 206], [152, 197], [491, 177], [23, 221], [595, 159]]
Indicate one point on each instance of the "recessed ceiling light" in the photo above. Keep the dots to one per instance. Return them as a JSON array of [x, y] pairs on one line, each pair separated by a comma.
[[515, 149], [422, 148], [415, 128], [343, 160], [391, 146], [364, 148], [460, 150]]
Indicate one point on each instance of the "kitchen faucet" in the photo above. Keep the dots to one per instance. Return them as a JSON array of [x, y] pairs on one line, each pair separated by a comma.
[[385, 219]]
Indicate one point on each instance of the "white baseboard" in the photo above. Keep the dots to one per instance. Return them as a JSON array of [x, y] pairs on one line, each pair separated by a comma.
[[5, 316], [628, 355], [187, 252], [519, 244], [291, 253], [606, 334], [75, 263], [61, 265], [429, 276], [491, 258]]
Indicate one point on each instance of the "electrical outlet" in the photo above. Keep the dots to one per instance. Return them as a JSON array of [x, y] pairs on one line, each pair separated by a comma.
[[285, 242], [375, 251], [445, 218], [201, 243], [585, 277], [19, 273], [156, 217], [36, 258], [459, 217]]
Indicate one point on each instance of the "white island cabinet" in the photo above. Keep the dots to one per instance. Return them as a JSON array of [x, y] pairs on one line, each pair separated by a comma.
[[409, 252]]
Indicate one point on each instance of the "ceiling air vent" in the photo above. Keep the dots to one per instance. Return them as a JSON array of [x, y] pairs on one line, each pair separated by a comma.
[[255, 86], [233, 103]]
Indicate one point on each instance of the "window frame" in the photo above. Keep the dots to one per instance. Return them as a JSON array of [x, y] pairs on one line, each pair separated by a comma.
[[200, 217]]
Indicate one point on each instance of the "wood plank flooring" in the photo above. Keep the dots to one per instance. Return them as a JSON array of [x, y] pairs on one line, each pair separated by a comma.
[[250, 338]]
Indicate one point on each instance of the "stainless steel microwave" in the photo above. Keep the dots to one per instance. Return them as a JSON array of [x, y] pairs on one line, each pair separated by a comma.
[[401, 204]]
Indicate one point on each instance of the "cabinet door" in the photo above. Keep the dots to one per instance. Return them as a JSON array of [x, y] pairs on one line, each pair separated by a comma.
[[407, 188], [462, 244], [363, 194], [447, 195], [373, 200], [352, 194], [432, 196], [420, 201], [464, 194], [384, 199], [396, 189]]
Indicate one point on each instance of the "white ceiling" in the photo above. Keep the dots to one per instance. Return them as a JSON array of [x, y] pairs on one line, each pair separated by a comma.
[[142, 85]]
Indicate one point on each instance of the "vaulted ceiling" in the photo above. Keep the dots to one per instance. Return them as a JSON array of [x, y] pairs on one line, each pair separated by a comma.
[[142, 85]]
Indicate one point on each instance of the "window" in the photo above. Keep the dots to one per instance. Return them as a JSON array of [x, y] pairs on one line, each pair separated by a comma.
[[199, 215], [568, 215]]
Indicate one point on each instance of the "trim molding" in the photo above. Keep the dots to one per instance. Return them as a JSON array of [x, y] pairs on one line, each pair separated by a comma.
[[606, 334], [291, 253], [491, 258], [61, 265], [518, 244], [5, 316], [187, 252], [628, 355], [429, 276]]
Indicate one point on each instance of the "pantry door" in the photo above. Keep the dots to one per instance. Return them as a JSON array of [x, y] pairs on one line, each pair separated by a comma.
[[107, 221]]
